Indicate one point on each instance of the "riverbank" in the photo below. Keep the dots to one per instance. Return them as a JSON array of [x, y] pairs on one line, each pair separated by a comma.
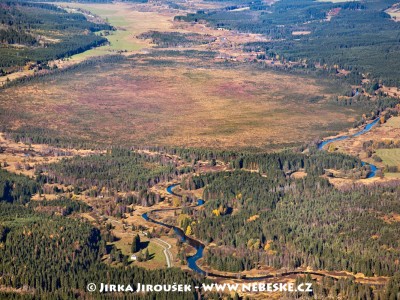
[[252, 275], [366, 128]]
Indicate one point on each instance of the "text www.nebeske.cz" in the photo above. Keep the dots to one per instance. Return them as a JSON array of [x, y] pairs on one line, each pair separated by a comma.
[[231, 287]]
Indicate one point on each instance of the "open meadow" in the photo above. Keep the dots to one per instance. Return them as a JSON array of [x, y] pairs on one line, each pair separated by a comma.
[[128, 22], [387, 133], [156, 102], [390, 157], [188, 142]]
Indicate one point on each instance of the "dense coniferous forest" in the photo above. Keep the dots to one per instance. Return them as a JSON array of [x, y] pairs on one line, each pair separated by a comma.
[[125, 170], [16, 188], [254, 159], [176, 39], [119, 169], [293, 223], [359, 37], [264, 209], [45, 32], [263, 217], [38, 249], [63, 206]]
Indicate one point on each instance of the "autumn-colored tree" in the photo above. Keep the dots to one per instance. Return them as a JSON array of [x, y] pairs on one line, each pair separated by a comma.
[[332, 148], [189, 230]]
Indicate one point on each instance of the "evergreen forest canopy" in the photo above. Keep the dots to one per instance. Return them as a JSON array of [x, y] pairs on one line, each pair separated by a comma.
[[303, 222], [299, 222], [358, 36], [39, 32], [256, 212], [35, 261]]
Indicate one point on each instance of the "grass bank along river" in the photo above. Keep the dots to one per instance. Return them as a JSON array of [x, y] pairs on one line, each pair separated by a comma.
[[367, 128]]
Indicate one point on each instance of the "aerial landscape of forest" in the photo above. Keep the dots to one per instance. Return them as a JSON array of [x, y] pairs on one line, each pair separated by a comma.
[[151, 145]]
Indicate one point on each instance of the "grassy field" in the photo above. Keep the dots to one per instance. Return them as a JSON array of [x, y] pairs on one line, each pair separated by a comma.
[[157, 257], [384, 132], [392, 175], [138, 103], [393, 122], [129, 23], [389, 131], [390, 157]]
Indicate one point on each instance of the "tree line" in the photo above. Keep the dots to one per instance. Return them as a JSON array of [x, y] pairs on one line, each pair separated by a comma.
[[25, 23], [358, 37], [298, 222]]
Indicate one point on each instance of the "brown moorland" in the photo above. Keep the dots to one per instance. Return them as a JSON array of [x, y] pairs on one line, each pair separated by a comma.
[[155, 102]]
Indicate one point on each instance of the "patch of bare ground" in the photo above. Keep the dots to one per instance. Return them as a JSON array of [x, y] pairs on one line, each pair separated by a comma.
[[299, 174], [228, 43], [88, 217], [394, 12], [21, 291], [292, 279], [391, 91], [301, 33], [346, 184], [391, 218], [20, 158], [264, 270]]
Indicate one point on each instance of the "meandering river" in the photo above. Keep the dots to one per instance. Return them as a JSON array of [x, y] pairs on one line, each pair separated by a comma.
[[367, 128], [192, 260]]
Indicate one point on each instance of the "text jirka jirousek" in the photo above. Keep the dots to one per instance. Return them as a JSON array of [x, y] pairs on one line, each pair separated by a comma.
[[183, 288]]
